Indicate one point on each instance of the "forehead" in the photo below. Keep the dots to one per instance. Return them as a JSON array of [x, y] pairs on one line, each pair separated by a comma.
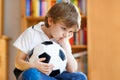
[[71, 28]]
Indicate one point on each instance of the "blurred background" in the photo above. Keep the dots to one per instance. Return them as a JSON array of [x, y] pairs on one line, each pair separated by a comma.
[[98, 50]]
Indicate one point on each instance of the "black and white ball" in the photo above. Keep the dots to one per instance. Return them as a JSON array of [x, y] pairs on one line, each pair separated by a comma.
[[53, 53]]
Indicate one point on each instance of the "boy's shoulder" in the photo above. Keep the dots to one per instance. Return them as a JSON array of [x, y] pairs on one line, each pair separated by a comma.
[[36, 27]]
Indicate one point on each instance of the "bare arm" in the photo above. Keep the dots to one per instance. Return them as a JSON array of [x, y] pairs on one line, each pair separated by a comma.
[[21, 64], [71, 63]]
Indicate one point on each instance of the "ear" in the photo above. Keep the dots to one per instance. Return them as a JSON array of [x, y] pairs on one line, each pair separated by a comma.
[[50, 20]]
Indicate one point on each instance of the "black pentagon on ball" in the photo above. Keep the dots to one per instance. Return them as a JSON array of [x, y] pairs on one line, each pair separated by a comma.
[[31, 53], [45, 55], [47, 42], [62, 55], [54, 73]]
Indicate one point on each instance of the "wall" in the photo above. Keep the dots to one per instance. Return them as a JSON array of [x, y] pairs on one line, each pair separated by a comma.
[[103, 39], [12, 29]]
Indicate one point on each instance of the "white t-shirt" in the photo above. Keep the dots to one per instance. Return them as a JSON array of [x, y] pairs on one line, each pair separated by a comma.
[[30, 38]]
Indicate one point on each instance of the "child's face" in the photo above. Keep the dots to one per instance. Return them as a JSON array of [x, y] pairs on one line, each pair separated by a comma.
[[59, 31]]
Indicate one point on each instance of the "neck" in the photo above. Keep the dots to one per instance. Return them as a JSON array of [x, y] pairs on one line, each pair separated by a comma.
[[46, 31]]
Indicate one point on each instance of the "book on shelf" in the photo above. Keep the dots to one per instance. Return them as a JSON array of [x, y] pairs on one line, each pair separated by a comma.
[[82, 6], [40, 7], [72, 40], [28, 7], [43, 7], [75, 2], [36, 8], [79, 38]]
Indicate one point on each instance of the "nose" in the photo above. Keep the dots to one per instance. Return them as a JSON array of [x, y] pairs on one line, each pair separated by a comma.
[[65, 34]]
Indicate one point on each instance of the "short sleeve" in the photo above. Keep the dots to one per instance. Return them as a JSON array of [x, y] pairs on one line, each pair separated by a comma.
[[24, 41]]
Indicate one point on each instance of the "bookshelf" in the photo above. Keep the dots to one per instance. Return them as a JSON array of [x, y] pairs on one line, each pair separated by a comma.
[[1, 17], [30, 19], [3, 48], [103, 39]]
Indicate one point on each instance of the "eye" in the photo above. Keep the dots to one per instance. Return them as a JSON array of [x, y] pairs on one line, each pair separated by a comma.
[[63, 28], [70, 31]]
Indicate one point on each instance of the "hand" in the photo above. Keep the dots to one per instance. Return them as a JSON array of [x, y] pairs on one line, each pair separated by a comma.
[[43, 67], [65, 44]]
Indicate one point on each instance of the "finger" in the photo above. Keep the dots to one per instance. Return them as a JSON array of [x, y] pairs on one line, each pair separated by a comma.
[[41, 59], [70, 35], [46, 70], [47, 67], [46, 64], [51, 65]]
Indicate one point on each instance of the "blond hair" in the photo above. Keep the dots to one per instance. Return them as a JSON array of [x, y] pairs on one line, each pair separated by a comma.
[[66, 12]]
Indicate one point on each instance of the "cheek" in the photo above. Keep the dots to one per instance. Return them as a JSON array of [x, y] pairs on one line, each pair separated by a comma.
[[56, 30], [54, 33]]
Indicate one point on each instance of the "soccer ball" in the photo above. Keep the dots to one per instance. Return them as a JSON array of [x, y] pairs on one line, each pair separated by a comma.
[[53, 53]]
